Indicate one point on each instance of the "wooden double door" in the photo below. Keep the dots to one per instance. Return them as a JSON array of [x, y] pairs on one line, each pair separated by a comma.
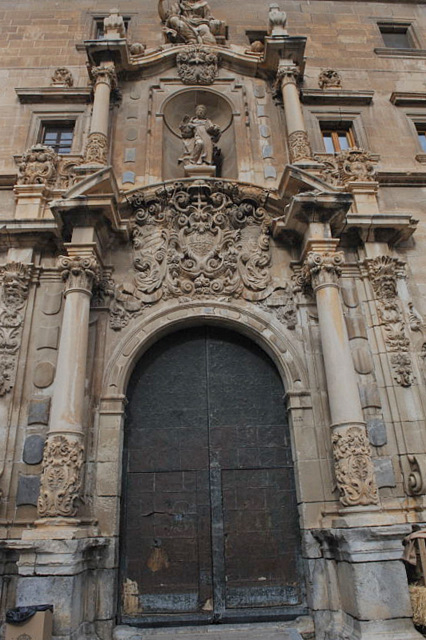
[[209, 526]]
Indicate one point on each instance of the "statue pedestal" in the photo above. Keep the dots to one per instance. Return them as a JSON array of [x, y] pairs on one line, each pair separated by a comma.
[[200, 171]]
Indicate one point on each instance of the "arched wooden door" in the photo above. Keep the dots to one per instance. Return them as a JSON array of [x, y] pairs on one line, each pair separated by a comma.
[[210, 526]]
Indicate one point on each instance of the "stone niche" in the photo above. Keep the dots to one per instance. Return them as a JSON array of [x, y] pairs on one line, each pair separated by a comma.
[[219, 110]]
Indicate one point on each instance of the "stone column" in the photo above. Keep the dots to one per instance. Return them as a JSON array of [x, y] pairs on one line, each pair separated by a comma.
[[105, 80], [64, 450], [351, 449], [298, 141]]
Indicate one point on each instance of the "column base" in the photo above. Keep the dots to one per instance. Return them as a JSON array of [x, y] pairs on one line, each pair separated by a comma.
[[340, 626]]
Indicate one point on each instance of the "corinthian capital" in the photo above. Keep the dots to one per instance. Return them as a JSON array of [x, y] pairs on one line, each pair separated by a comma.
[[79, 272], [322, 269], [287, 74], [105, 73]]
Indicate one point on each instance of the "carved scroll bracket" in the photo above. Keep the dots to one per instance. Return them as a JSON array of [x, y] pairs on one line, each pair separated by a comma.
[[80, 273]]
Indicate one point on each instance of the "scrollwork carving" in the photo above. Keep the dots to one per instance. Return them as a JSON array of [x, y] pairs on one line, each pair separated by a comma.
[[299, 146], [96, 149], [330, 79], [353, 466], [197, 65], [15, 279], [320, 268], [61, 477], [38, 166], [351, 165], [196, 240], [79, 272], [383, 272], [62, 77]]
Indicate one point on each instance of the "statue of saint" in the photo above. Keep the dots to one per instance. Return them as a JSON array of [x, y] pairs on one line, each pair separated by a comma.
[[190, 22], [199, 135]]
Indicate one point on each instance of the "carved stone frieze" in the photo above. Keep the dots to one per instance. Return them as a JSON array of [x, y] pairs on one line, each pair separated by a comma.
[[38, 165], [299, 146], [329, 79], [61, 477], [351, 165], [96, 149], [197, 65], [196, 240], [15, 279], [320, 268], [383, 272], [62, 77], [353, 466], [79, 272], [282, 305]]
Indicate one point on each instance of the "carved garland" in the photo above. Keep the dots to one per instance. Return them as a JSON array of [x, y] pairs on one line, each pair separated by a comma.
[[15, 278], [351, 165], [197, 65], [61, 477], [383, 272], [196, 240], [38, 166]]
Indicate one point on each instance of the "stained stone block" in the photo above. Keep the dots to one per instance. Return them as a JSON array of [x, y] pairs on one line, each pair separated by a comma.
[[44, 374], [369, 395], [33, 450], [385, 475], [362, 359], [261, 111], [267, 151], [130, 155], [270, 172], [259, 91], [39, 411], [48, 338], [132, 113], [377, 431], [265, 131], [129, 176], [28, 490], [356, 327], [131, 134]]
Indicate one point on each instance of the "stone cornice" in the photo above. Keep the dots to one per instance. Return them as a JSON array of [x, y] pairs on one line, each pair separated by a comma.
[[408, 99], [336, 96], [54, 95]]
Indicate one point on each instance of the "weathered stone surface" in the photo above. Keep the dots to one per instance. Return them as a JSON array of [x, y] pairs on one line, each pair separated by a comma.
[[39, 410], [376, 429], [33, 449], [267, 631], [28, 490]]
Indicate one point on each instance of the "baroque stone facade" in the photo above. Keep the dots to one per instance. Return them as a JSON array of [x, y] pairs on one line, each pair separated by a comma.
[[212, 303]]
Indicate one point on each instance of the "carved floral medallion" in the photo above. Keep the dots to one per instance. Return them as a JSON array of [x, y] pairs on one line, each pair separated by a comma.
[[197, 64]]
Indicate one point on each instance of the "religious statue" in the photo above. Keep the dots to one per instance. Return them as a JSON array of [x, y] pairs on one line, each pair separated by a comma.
[[199, 135], [189, 22]]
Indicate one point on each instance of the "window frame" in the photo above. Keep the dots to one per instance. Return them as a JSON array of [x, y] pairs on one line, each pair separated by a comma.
[[322, 118], [58, 125], [336, 134], [417, 120], [402, 25], [50, 114], [98, 18]]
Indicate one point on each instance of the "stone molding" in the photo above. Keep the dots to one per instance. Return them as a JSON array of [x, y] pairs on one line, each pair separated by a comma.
[[38, 165], [383, 272], [353, 466], [197, 64], [96, 149], [299, 146], [79, 272], [60, 488], [15, 280]]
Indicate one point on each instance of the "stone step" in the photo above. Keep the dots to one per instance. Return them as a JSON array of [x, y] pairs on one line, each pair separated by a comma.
[[255, 631]]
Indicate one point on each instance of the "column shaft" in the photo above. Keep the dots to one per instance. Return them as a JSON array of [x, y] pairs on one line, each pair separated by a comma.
[[105, 80], [298, 141]]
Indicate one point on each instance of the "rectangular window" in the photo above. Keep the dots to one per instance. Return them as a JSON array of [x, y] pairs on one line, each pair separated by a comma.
[[337, 139], [421, 132], [396, 36], [58, 135]]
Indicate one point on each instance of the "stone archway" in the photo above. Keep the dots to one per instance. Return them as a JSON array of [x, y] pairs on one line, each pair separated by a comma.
[[209, 527]]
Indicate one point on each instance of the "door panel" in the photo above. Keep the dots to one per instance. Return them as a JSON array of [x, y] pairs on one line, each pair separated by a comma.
[[209, 523]]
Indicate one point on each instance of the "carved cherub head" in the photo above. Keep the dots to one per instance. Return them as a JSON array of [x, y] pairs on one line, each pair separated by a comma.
[[201, 111]]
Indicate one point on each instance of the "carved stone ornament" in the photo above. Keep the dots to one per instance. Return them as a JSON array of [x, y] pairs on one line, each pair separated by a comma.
[[329, 79], [276, 21], [353, 466], [61, 477], [190, 22], [62, 77], [299, 146], [197, 65], [38, 166], [351, 165], [282, 305], [416, 482], [195, 240], [15, 279], [105, 73], [96, 149], [321, 268], [79, 272], [383, 272], [114, 25]]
